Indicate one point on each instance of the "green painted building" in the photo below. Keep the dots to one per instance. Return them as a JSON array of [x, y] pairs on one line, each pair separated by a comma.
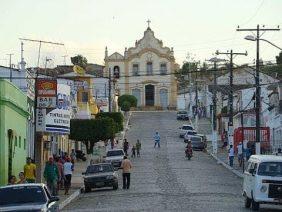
[[13, 130]]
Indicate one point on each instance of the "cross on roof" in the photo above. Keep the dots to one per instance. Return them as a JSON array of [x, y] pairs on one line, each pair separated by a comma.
[[149, 21]]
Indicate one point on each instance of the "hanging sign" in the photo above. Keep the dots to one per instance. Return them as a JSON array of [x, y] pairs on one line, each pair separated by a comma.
[[46, 93]]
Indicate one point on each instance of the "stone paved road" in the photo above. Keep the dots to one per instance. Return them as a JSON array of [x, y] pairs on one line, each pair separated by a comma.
[[163, 180]]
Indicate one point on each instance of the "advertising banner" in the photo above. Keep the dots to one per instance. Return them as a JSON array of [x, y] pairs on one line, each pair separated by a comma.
[[58, 120], [46, 93]]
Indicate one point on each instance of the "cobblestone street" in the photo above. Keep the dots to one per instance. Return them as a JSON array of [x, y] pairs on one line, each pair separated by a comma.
[[163, 179]]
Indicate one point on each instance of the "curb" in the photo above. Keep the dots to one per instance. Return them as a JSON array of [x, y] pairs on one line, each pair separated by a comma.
[[72, 197], [219, 161]]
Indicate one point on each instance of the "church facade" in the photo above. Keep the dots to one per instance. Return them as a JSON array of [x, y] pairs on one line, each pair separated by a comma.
[[145, 71]]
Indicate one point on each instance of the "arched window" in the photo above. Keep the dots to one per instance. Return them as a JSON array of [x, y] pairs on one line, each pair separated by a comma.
[[137, 93], [149, 68]]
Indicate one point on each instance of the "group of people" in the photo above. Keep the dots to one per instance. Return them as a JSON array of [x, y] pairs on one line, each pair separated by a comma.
[[28, 175], [58, 173], [135, 149]]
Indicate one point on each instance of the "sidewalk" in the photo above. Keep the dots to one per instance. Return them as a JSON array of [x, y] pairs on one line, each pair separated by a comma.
[[204, 127], [76, 185]]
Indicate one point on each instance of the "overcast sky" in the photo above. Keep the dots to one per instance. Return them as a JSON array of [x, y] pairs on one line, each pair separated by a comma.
[[198, 27]]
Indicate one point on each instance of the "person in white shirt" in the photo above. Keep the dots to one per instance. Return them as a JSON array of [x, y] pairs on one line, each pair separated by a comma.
[[68, 169], [231, 155], [240, 153]]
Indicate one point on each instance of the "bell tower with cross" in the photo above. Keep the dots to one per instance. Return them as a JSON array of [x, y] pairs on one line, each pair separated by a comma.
[[149, 22]]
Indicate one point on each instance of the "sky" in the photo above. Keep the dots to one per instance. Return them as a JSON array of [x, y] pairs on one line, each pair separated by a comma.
[[197, 27]]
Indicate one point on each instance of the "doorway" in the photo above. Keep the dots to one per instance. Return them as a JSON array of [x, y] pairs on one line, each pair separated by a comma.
[[149, 95]]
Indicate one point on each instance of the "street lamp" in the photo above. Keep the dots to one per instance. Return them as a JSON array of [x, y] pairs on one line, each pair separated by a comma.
[[253, 38]]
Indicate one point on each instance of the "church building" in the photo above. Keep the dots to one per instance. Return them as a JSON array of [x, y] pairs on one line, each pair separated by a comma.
[[145, 71]]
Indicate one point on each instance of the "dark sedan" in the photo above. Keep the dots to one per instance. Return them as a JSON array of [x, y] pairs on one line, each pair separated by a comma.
[[197, 143], [99, 176], [182, 115]]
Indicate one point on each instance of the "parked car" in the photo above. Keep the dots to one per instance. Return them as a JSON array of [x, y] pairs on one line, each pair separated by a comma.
[[182, 115], [188, 135], [27, 197], [115, 157], [100, 175], [197, 143], [263, 181], [184, 129]]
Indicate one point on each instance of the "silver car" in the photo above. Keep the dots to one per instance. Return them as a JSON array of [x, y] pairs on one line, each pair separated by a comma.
[[27, 197]]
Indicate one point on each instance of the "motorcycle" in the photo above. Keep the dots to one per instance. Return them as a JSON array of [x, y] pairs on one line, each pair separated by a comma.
[[80, 155], [188, 153]]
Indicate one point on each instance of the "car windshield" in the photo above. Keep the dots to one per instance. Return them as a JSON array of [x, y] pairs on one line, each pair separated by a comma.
[[99, 168], [182, 112], [187, 128], [22, 195], [115, 153], [191, 133], [196, 139], [270, 169]]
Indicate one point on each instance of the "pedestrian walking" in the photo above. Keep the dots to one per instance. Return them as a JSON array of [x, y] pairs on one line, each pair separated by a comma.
[[138, 148], [73, 156], [51, 175], [68, 169], [60, 165], [133, 151], [22, 179], [231, 155], [240, 153], [126, 166], [125, 146], [157, 139], [30, 171]]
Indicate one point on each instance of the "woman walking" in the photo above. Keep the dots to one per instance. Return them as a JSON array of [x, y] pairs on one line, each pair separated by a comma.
[[68, 169]]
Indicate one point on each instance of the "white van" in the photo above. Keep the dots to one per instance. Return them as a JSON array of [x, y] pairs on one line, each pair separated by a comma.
[[263, 181]]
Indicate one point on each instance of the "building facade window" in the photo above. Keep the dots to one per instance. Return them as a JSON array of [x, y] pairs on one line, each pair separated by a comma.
[[135, 69], [163, 68], [24, 144], [20, 142], [149, 68]]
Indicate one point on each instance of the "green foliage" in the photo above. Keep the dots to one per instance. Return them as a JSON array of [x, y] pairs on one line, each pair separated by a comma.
[[224, 110], [91, 131], [79, 60], [116, 116], [279, 59], [129, 99], [272, 70], [125, 106]]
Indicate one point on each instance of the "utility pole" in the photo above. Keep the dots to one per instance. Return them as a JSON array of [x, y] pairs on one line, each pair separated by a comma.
[[38, 137], [258, 105], [110, 91], [196, 98], [10, 66], [230, 96]]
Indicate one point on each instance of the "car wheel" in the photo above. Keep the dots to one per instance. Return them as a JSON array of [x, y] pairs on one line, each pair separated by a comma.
[[87, 189], [248, 202], [255, 205], [115, 187]]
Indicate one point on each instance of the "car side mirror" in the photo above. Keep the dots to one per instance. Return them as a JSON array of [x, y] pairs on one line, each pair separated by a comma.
[[83, 173], [54, 199]]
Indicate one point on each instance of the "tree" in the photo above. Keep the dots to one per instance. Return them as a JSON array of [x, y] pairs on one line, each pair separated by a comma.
[[130, 99], [90, 131], [79, 60], [116, 116], [125, 106], [279, 59]]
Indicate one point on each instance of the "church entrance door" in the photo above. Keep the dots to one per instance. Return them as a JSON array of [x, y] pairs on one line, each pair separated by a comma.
[[149, 95]]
